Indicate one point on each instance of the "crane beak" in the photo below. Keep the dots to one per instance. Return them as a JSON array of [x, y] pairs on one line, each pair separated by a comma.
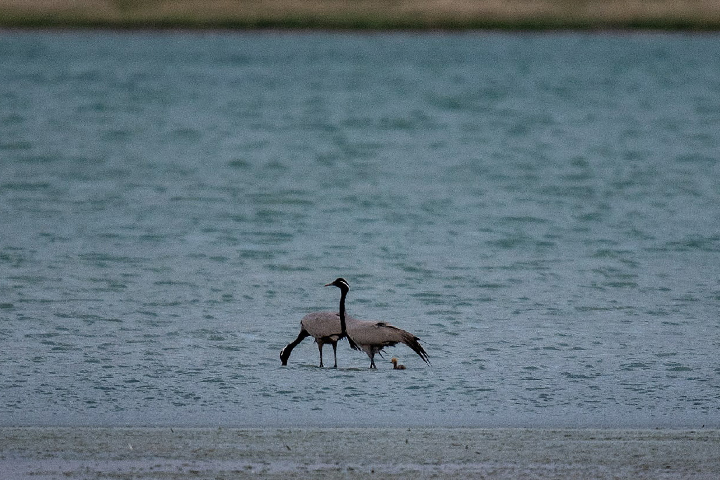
[[328, 284]]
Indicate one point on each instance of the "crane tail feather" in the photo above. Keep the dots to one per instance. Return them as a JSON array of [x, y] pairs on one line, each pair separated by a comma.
[[414, 343]]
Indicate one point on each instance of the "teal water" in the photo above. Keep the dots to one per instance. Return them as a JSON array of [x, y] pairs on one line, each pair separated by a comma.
[[543, 211]]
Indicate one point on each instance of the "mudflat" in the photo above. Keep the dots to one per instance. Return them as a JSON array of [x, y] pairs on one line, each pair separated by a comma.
[[178, 453]]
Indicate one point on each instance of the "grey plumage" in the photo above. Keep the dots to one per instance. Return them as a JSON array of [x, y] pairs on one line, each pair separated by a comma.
[[324, 327], [372, 337]]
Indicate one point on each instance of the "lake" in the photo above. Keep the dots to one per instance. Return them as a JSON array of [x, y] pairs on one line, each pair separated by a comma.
[[543, 211]]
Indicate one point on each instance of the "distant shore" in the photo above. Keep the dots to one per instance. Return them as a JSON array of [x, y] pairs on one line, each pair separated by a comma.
[[669, 15], [287, 453]]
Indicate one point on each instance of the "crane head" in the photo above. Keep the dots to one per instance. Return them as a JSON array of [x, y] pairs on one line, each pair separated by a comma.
[[341, 283]]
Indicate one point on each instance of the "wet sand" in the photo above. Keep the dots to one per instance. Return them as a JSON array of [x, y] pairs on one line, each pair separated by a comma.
[[178, 453]]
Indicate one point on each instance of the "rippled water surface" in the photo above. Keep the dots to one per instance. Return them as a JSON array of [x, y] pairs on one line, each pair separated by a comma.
[[542, 211]]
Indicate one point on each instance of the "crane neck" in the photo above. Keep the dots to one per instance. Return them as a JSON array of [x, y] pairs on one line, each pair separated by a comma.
[[343, 327]]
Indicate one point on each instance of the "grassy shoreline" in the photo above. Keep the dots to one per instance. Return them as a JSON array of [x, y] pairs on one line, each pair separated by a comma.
[[670, 15]]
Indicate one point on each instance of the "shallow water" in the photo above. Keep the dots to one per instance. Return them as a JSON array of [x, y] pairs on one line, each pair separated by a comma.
[[542, 211]]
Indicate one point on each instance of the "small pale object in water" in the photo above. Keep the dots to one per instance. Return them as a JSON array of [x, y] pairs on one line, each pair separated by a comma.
[[395, 364]]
